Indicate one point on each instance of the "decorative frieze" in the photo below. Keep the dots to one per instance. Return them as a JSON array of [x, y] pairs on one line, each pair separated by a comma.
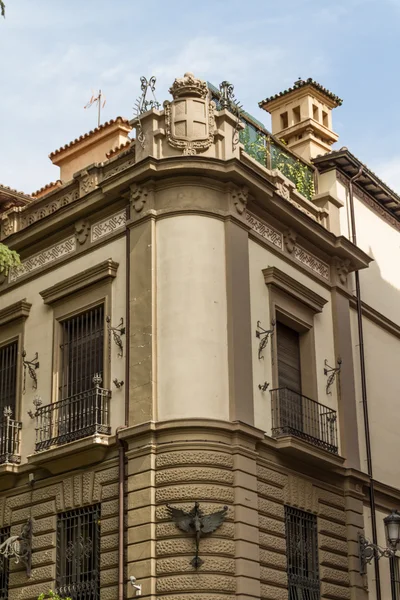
[[312, 262], [42, 259], [28, 217], [266, 231], [121, 167], [108, 226]]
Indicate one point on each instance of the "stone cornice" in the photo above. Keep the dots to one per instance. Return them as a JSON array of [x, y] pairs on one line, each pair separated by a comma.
[[260, 182], [15, 311], [376, 317], [283, 282], [104, 270]]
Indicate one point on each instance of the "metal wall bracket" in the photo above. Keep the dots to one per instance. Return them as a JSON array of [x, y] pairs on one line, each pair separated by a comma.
[[37, 401], [332, 372], [31, 365], [117, 333], [19, 547], [142, 105], [264, 386], [118, 383], [263, 335], [367, 551], [228, 100]]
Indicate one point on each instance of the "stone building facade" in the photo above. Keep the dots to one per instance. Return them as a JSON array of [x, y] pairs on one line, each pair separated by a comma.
[[184, 327]]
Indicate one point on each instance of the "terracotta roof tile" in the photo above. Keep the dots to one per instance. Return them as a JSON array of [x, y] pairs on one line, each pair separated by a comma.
[[299, 84], [118, 149], [48, 186], [10, 191], [89, 134]]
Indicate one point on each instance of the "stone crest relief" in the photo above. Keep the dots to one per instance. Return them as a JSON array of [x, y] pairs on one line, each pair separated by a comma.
[[189, 119]]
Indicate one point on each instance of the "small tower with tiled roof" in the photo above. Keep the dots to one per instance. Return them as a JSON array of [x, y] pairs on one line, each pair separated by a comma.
[[302, 117]]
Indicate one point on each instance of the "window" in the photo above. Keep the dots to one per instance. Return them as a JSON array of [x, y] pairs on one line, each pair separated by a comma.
[[325, 119], [315, 112], [4, 534], [302, 554], [395, 577], [82, 349], [78, 549], [284, 120], [296, 114], [8, 376]]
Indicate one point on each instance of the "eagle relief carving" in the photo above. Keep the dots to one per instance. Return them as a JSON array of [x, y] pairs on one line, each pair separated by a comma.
[[189, 118], [198, 524]]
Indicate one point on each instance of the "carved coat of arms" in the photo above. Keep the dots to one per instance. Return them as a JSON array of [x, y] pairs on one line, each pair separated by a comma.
[[189, 119]]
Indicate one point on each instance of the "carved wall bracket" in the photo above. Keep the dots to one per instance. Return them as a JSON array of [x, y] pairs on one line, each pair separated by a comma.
[[117, 332], [31, 365], [331, 373], [263, 335], [19, 547]]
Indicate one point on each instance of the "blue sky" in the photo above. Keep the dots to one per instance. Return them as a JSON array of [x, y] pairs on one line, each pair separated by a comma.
[[53, 53]]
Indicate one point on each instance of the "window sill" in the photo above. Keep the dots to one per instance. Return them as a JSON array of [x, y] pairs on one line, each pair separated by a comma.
[[302, 450], [85, 451]]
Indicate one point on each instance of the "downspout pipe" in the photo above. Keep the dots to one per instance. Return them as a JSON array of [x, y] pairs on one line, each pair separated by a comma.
[[364, 387], [121, 443]]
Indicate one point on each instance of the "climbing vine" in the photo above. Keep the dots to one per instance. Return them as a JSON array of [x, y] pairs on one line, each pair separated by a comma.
[[256, 144], [8, 259]]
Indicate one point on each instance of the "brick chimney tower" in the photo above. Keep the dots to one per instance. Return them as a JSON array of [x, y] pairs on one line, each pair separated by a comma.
[[302, 117]]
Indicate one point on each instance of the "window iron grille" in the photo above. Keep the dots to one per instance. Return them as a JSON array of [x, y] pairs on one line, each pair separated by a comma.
[[298, 415], [10, 438], [78, 553], [302, 554], [82, 351], [4, 565]]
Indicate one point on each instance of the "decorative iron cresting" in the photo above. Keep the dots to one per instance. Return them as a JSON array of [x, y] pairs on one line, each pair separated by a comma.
[[228, 100], [142, 104], [198, 524], [263, 335], [19, 547], [117, 332], [31, 365], [331, 373]]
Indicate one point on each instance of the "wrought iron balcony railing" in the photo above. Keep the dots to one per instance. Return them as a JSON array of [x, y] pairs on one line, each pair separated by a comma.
[[10, 438], [73, 418], [297, 415]]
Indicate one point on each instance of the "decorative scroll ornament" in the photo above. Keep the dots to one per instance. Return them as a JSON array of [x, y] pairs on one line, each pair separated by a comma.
[[19, 547], [117, 332], [31, 365], [228, 100], [198, 524], [189, 119], [143, 104], [331, 373], [263, 335]]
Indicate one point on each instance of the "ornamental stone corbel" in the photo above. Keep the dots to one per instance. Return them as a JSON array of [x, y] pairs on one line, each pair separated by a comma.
[[343, 268], [289, 240], [239, 197], [82, 230]]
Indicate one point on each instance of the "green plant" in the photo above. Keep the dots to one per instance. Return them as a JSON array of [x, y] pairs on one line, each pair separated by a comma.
[[260, 147], [8, 259], [2, 8], [52, 595]]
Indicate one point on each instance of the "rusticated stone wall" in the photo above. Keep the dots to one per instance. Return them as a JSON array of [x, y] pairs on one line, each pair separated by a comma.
[[43, 502], [275, 489]]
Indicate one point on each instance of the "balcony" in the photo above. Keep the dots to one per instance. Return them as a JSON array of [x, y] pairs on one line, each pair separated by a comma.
[[299, 416], [10, 439], [79, 416]]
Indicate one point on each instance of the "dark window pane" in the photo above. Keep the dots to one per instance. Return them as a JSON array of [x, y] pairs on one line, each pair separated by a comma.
[[8, 376]]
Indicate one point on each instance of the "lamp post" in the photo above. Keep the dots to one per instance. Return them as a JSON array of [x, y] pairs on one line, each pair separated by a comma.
[[367, 550]]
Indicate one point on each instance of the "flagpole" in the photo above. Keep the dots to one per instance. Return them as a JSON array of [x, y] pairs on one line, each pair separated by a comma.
[[99, 108]]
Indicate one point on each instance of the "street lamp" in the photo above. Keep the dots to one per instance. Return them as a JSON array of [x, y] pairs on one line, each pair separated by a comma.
[[368, 550]]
